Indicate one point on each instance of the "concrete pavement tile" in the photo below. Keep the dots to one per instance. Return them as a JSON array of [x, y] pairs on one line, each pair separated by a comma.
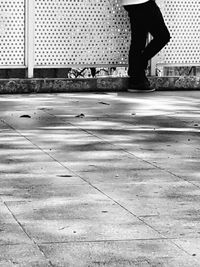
[[26, 119], [191, 117], [154, 198], [101, 125], [145, 144], [20, 156], [46, 120], [52, 167], [91, 106], [153, 144], [119, 104], [181, 159], [66, 141], [186, 168], [191, 245], [22, 255], [121, 117], [128, 122], [152, 153], [107, 160], [3, 127], [65, 147], [193, 177], [116, 133], [64, 138], [18, 187], [53, 190], [121, 170], [176, 225], [143, 253], [72, 159], [13, 146], [89, 151], [150, 138], [10, 230], [10, 139], [78, 213]]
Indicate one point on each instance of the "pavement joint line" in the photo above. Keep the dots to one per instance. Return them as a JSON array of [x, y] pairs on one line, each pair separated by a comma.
[[170, 240], [105, 240], [14, 244], [30, 238], [124, 150], [119, 240], [14, 217], [181, 248]]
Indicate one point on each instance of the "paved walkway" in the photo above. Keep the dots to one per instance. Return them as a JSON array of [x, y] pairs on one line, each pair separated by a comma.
[[92, 180]]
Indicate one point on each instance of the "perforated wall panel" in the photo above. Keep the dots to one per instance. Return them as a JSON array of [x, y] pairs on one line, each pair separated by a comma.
[[92, 32], [81, 32], [183, 20], [12, 32]]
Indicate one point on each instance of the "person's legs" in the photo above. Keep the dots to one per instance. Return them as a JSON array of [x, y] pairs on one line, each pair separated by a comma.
[[139, 32], [158, 30], [145, 18]]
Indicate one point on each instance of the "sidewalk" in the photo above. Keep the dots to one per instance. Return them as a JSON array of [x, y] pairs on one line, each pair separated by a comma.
[[91, 180]]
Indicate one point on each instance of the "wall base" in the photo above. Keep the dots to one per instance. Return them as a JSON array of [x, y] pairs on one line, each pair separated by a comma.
[[59, 85]]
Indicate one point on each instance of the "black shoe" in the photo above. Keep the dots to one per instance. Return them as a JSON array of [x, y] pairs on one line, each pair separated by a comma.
[[141, 90], [141, 87]]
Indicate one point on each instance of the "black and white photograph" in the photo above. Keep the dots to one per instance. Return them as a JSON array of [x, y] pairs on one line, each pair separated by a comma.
[[99, 133]]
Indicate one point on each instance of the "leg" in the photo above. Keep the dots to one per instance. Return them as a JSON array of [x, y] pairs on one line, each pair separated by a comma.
[[139, 32], [158, 30]]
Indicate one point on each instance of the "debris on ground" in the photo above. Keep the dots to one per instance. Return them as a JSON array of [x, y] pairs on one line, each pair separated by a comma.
[[103, 103], [25, 116], [67, 175], [45, 109], [80, 115]]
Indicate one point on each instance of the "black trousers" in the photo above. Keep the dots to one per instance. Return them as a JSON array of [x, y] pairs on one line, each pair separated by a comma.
[[145, 18]]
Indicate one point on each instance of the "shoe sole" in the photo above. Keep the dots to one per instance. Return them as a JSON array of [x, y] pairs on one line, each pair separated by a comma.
[[141, 90]]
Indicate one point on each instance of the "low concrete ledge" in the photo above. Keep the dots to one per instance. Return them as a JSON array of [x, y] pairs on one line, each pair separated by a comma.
[[61, 85], [176, 83]]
